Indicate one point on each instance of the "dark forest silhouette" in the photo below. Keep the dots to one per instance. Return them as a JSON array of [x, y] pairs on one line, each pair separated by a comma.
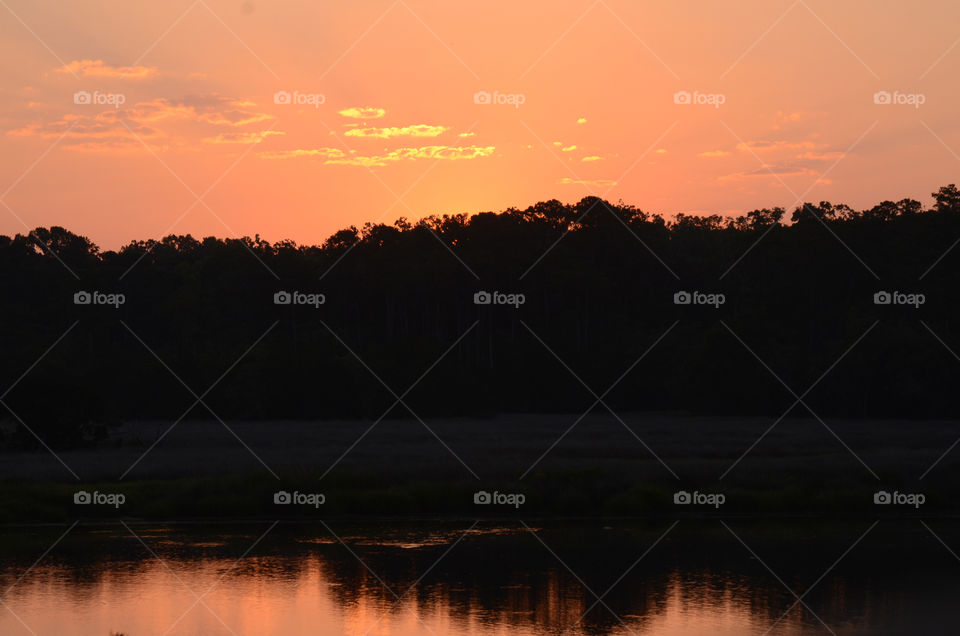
[[799, 292]]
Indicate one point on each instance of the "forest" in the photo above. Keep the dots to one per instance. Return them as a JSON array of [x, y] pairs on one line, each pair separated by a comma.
[[545, 309]]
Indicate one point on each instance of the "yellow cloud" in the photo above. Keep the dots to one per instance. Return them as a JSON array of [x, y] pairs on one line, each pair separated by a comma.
[[358, 160], [582, 120], [592, 158], [418, 130], [569, 148], [467, 134], [448, 153], [714, 153], [97, 68], [363, 113]]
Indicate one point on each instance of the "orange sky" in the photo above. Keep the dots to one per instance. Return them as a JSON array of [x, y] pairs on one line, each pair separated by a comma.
[[590, 107]]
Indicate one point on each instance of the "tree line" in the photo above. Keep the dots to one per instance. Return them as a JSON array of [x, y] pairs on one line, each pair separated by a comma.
[[384, 312]]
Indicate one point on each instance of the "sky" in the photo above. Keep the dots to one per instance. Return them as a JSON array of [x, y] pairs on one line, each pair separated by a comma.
[[292, 119]]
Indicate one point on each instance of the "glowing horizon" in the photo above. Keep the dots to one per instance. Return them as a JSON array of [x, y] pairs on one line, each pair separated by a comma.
[[294, 121]]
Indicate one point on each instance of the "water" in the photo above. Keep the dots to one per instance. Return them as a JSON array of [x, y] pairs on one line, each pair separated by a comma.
[[496, 579]]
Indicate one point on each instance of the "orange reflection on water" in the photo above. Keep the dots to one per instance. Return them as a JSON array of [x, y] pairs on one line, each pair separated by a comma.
[[308, 595]]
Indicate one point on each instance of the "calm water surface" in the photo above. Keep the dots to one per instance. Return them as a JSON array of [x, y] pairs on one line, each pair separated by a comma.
[[300, 579]]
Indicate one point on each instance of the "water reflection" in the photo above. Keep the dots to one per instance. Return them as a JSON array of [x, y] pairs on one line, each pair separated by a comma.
[[496, 580]]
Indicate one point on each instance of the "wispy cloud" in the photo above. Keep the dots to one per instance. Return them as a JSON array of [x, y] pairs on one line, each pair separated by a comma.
[[786, 119], [821, 156], [293, 154], [772, 146], [714, 154], [599, 183], [209, 118], [334, 156], [771, 172], [97, 68], [253, 137]]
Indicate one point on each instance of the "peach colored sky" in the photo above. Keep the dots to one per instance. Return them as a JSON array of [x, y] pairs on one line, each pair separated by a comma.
[[399, 132]]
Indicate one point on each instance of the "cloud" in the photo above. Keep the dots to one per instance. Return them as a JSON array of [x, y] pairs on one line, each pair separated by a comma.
[[363, 113], [80, 127], [714, 153], [209, 109], [293, 154], [771, 172], [603, 183], [785, 118], [770, 146], [592, 158], [97, 68], [119, 147], [792, 116], [467, 134], [185, 123], [661, 151], [94, 134], [224, 111], [358, 160], [582, 120], [821, 156], [440, 153], [254, 137], [569, 148], [418, 130], [334, 156]]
